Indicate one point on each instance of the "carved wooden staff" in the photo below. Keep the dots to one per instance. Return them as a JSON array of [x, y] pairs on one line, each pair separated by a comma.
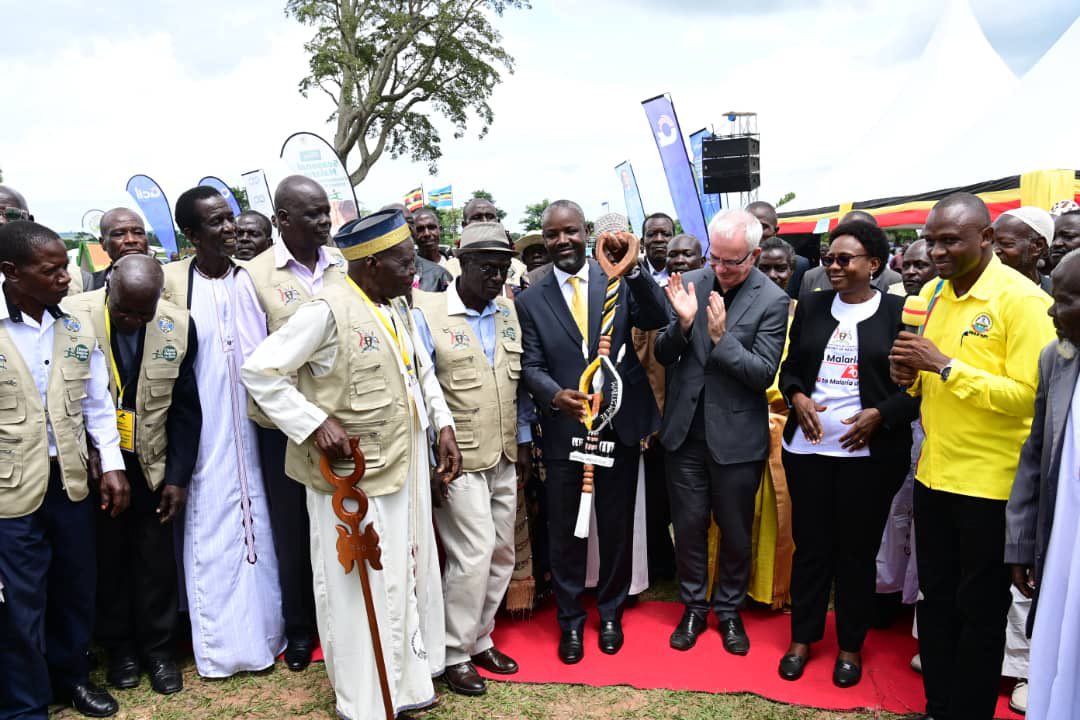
[[359, 548], [588, 379]]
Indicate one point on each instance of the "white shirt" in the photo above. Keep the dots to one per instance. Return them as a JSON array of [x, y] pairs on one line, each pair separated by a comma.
[[35, 344], [563, 278], [837, 383]]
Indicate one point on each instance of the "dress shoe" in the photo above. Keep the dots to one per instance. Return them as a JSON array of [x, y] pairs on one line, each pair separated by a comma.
[[571, 647], [846, 674], [92, 701], [165, 676], [122, 671], [792, 666], [496, 662], [687, 631], [298, 653], [735, 640], [611, 637], [1019, 699], [464, 680]]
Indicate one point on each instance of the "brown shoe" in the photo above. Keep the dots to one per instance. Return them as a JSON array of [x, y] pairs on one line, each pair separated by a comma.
[[496, 662], [464, 680]]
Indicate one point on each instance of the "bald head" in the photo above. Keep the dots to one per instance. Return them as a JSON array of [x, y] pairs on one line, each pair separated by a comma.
[[859, 216], [12, 198], [294, 185], [123, 233], [766, 215], [479, 210], [965, 208], [135, 285], [303, 214]]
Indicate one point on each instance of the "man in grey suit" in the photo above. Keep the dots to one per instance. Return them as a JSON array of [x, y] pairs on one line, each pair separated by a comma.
[[816, 279], [722, 347], [1045, 492]]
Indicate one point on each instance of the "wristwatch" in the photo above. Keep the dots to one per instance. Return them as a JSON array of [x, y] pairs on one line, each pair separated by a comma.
[[946, 371]]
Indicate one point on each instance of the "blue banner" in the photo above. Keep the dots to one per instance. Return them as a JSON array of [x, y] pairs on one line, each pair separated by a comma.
[[677, 168], [635, 211], [710, 204], [226, 192], [151, 200], [443, 198]]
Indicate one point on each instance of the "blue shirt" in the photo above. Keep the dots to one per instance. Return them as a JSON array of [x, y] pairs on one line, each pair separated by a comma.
[[483, 326]]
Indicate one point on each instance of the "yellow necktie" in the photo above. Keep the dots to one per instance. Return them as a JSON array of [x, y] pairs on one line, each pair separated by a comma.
[[578, 308]]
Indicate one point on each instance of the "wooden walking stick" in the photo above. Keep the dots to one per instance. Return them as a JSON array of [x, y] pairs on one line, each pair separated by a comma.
[[359, 548], [590, 450]]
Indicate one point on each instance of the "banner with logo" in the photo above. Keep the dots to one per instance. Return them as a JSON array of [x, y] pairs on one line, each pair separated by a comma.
[[309, 155], [710, 204], [226, 192], [635, 211], [443, 198], [155, 208], [414, 199], [680, 174], [258, 192], [91, 222]]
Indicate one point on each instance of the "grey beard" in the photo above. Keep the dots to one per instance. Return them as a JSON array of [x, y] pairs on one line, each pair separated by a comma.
[[1066, 349]]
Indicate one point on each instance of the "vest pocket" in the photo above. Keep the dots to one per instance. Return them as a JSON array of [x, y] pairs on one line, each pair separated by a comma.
[[371, 441], [158, 396], [11, 409], [369, 389], [10, 467], [464, 374], [465, 430], [73, 397]]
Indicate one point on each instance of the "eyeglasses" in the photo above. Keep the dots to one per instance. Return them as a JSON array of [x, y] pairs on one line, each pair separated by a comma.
[[494, 270], [841, 260], [11, 214], [715, 261]]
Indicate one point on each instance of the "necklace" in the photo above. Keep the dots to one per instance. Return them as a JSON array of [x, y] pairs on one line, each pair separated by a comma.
[[228, 269]]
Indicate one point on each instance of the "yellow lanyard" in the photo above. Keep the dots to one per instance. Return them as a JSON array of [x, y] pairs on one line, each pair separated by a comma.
[[112, 360], [387, 324]]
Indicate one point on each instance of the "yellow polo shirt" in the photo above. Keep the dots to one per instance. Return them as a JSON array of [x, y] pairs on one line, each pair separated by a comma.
[[977, 421]]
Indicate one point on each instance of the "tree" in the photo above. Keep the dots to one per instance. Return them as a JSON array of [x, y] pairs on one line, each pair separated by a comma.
[[788, 197], [386, 63], [449, 224], [485, 195], [241, 198], [533, 213]]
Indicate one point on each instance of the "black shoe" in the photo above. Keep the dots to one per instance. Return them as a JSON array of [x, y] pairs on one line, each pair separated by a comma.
[[846, 674], [688, 630], [495, 661], [93, 701], [611, 637], [298, 653], [122, 671], [571, 647], [464, 680], [735, 640], [165, 676], [792, 666]]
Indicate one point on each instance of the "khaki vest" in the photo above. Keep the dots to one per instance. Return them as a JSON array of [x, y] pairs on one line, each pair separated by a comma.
[[75, 273], [24, 444], [365, 392], [164, 348], [281, 294], [482, 397], [178, 280]]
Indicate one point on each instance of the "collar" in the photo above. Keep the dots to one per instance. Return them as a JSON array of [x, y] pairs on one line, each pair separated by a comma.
[[983, 289], [8, 311], [283, 257], [561, 276], [454, 305]]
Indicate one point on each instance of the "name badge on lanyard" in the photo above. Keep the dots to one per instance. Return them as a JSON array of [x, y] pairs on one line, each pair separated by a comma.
[[125, 425]]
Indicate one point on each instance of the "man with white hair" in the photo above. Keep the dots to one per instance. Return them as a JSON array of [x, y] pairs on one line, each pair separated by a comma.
[[722, 347], [1021, 237]]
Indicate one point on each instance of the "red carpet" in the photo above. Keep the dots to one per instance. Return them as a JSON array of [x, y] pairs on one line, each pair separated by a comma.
[[646, 661]]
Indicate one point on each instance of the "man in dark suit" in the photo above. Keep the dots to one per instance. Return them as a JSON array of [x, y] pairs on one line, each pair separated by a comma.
[[560, 317], [722, 348]]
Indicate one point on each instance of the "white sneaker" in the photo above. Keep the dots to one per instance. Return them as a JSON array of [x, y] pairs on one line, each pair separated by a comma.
[[916, 663], [1018, 701]]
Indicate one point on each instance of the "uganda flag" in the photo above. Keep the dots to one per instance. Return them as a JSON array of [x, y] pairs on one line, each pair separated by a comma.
[[414, 199]]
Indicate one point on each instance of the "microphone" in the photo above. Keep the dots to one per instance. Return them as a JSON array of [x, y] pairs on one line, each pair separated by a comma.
[[915, 308]]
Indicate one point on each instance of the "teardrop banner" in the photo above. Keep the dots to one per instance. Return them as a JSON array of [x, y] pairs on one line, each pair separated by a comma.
[[309, 155], [226, 192], [151, 200]]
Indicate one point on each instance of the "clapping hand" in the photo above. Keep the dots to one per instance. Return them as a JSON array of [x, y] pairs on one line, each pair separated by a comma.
[[717, 312], [683, 301]]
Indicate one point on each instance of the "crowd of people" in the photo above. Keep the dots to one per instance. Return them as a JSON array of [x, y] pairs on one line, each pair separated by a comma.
[[172, 439]]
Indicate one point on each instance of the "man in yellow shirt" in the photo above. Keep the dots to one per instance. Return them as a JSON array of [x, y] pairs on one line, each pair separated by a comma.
[[976, 367]]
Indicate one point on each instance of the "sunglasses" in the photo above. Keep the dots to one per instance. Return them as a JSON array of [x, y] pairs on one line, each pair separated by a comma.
[[841, 260], [11, 214]]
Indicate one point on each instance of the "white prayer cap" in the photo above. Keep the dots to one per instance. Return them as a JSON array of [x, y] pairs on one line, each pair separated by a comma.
[[1035, 218]]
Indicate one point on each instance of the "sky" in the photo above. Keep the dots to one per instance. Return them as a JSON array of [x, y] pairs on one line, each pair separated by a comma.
[[180, 90]]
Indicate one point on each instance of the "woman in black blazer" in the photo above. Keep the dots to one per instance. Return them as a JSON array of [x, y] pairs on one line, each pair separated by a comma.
[[847, 446]]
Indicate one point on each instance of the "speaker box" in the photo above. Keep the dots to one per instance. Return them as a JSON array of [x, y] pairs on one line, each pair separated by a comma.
[[734, 146], [731, 183], [722, 167]]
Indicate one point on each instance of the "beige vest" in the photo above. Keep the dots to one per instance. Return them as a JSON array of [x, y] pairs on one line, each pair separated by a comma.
[[75, 273], [365, 392], [280, 295], [482, 397], [24, 444], [178, 280], [164, 348]]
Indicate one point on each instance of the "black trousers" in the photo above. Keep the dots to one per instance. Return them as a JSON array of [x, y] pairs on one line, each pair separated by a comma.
[[839, 507], [47, 567], [959, 548], [136, 598], [697, 487], [613, 499], [658, 514], [292, 536]]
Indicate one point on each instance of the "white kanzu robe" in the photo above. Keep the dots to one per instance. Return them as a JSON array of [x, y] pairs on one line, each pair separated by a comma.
[[230, 570], [407, 592]]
